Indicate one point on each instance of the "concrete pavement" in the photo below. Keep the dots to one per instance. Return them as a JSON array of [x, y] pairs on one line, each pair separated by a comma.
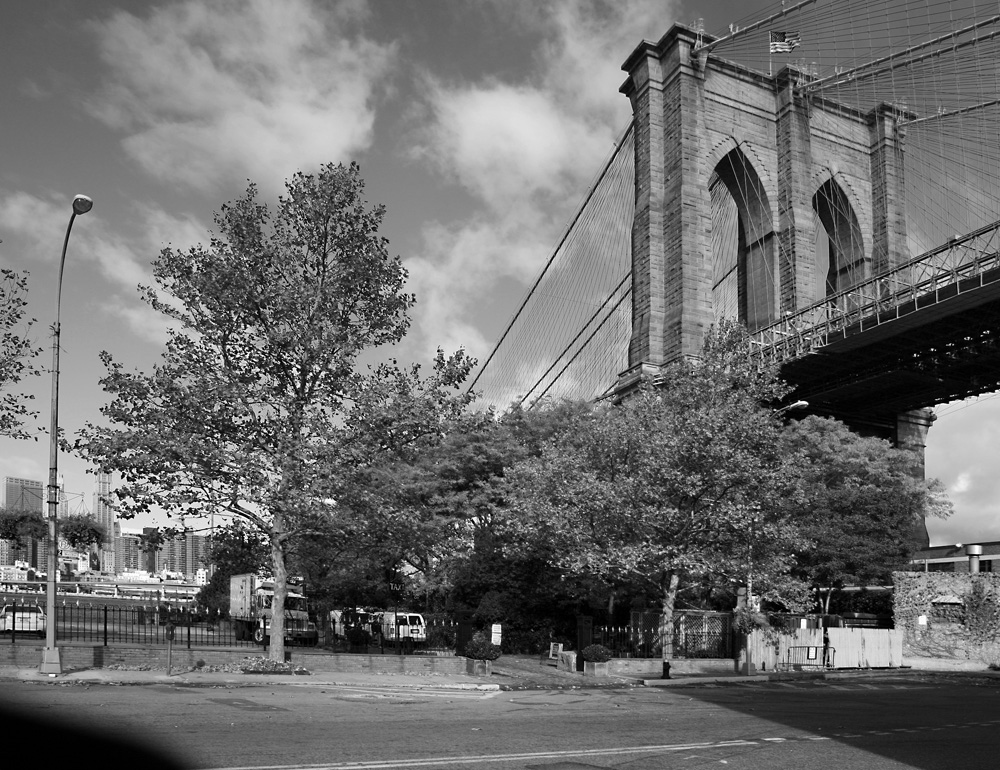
[[510, 672]]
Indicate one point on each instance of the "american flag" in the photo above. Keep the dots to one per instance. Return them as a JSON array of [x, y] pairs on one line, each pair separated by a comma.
[[784, 42]]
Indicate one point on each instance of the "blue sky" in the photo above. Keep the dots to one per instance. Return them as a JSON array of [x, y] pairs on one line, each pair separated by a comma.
[[478, 125]]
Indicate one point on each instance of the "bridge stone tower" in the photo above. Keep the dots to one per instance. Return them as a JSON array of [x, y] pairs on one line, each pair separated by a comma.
[[752, 201]]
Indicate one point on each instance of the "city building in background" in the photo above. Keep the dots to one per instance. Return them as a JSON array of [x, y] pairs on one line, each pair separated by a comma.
[[128, 549], [123, 553], [104, 514], [23, 495], [970, 557]]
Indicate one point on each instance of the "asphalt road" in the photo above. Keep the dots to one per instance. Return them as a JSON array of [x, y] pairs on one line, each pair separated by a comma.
[[914, 722]]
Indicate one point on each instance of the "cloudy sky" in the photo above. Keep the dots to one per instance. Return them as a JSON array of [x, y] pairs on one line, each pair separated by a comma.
[[478, 124]]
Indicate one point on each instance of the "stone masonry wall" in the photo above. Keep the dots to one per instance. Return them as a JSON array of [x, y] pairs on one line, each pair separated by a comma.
[[76, 656], [948, 615], [689, 114]]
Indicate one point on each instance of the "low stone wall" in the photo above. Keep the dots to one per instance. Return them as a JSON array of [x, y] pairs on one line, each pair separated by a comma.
[[944, 664], [343, 662], [650, 668], [653, 667], [77, 656]]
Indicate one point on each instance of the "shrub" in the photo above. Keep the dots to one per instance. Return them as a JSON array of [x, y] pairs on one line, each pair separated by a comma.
[[596, 653], [480, 649], [440, 637]]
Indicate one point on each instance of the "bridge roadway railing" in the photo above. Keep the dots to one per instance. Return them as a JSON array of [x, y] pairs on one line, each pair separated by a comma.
[[961, 265]]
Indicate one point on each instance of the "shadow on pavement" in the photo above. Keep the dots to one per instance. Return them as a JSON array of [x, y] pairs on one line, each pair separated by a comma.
[[931, 722], [64, 745]]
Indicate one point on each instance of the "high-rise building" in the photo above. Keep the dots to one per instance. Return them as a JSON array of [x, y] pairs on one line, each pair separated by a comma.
[[197, 554], [128, 549], [23, 495], [104, 514], [185, 554]]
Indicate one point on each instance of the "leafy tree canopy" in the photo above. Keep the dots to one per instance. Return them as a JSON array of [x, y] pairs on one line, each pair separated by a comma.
[[679, 480], [257, 407], [861, 506], [21, 526], [81, 532], [16, 353], [235, 549]]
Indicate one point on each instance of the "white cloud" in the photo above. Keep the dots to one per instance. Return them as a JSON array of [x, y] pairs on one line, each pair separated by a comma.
[[121, 261], [144, 322], [960, 452], [526, 151], [508, 145], [209, 94], [592, 40], [41, 222]]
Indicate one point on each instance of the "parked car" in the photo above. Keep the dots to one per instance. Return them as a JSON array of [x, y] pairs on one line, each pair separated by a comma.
[[22, 619]]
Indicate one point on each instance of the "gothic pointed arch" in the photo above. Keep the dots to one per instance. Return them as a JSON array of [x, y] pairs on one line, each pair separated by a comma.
[[841, 261], [743, 243]]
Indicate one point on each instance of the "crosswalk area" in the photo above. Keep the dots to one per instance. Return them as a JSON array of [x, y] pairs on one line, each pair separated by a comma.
[[400, 695], [824, 685]]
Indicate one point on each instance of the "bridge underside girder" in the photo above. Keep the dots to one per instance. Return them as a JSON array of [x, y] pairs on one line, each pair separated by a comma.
[[939, 348]]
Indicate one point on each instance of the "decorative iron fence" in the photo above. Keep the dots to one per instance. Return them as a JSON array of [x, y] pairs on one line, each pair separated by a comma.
[[633, 641], [132, 624], [697, 634], [702, 634]]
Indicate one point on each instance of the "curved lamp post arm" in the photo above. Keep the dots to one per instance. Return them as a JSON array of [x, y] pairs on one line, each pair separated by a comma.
[[51, 661]]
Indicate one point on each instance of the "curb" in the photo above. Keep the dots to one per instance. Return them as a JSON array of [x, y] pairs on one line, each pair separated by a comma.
[[789, 676], [228, 680]]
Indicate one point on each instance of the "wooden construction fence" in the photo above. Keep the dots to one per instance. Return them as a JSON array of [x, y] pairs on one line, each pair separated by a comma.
[[855, 647]]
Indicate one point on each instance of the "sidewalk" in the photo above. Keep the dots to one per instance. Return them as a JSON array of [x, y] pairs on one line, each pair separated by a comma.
[[510, 672], [108, 676]]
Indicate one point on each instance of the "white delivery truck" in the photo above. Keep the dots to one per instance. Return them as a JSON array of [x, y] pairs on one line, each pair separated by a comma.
[[405, 627], [250, 600]]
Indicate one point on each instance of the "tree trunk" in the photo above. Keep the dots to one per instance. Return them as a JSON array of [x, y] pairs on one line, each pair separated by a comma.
[[667, 614], [277, 641]]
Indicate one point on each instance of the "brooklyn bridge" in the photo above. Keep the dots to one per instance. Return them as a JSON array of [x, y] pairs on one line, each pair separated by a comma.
[[845, 208]]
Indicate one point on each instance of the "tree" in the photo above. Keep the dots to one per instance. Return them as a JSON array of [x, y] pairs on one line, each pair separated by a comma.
[[81, 532], [21, 526], [234, 549], [444, 507], [678, 481], [862, 505], [256, 408], [16, 353]]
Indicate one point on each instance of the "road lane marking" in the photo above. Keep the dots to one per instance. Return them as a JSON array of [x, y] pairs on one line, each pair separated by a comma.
[[385, 692], [483, 758]]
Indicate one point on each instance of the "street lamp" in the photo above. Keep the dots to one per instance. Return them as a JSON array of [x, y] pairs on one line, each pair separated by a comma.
[[748, 665], [51, 663]]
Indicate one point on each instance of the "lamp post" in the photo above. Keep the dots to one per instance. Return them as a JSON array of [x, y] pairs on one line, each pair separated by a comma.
[[749, 667], [51, 663]]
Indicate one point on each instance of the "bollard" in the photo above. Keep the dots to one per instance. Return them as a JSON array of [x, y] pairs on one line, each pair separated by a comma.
[[170, 644], [666, 669]]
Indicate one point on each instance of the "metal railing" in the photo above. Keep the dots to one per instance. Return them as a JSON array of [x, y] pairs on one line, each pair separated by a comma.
[[798, 658], [961, 265], [135, 625], [697, 634]]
